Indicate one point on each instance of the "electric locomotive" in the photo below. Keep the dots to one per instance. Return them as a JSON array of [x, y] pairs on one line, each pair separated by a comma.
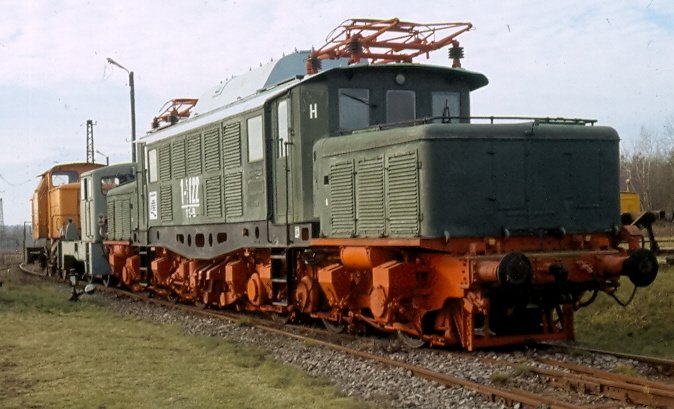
[[364, 194]]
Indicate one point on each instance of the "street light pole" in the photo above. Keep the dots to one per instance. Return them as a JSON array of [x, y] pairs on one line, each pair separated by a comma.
[[133, 107]]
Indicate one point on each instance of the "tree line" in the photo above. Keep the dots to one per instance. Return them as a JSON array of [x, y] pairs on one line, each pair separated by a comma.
[[647, 167]]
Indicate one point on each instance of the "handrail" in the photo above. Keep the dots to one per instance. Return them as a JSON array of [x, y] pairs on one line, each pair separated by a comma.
[[492, 119]]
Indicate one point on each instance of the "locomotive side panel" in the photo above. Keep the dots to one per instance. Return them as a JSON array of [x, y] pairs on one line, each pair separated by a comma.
[[560, 179], [39, 207], [120, 203], [63, 207], [469, 180], [212, 175]]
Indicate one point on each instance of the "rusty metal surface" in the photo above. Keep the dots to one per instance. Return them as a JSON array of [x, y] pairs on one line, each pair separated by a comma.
[[386, 41]]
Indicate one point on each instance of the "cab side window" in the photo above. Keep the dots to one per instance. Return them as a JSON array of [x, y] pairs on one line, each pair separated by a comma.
[[400, 106], [255, 140], [446, 105], [354, 108], [282, 128]]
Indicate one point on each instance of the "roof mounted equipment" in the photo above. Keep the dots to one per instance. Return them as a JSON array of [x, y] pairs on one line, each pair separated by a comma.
[[173, 111], [387, 41]]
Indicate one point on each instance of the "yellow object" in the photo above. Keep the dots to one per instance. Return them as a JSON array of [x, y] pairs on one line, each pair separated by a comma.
[[630, 203], [56, 199]]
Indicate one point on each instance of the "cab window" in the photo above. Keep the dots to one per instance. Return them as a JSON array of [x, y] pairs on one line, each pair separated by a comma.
[[63, 177], [84, 189], [446, 105], [255, 142], [400, 106], [282, 127], [152, 165], [110, 182], [354, 108]]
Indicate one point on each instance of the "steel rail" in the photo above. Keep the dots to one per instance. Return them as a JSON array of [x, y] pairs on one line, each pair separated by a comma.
[[587, 380], [651, 360], [618, 386]]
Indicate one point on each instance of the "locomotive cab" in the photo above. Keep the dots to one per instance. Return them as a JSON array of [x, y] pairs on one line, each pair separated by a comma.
[[353, 99], [55, 205], [86, 255]]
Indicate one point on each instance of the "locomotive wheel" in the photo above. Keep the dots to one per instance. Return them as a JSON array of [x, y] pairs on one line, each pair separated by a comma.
[[334, 327], [410, 341]]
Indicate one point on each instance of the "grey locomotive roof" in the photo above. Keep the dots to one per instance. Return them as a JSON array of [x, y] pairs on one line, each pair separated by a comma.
[[266, 77], [253, 89], [111, 170]]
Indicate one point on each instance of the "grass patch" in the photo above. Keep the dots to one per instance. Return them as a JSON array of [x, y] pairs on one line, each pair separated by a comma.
[[643, 327], [625, 369], [244, 322], [521, 370], [499, 378], [58, 354]]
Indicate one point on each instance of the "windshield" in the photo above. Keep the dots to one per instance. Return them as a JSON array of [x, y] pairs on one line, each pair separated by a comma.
[[64, 177]]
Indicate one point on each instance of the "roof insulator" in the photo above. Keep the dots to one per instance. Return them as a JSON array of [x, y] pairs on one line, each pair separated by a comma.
[[456, 54]]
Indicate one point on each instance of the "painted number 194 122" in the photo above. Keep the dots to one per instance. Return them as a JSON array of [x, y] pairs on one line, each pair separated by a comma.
[[189, 194]]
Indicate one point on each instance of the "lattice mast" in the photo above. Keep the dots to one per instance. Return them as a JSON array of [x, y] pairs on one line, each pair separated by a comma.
[[388, 41], [90, 141]]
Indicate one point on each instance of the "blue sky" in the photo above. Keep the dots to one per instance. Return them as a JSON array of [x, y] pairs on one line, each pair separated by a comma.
[[608, 60]]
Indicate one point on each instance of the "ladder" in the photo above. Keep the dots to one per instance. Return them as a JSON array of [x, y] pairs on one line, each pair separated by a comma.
[[281, 275], [143, 265]]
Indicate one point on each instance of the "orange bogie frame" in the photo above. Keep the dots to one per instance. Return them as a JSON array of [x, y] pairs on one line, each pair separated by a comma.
[[435, 290]]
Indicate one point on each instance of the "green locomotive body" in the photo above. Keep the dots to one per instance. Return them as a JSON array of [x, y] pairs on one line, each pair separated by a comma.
[[366, 195]]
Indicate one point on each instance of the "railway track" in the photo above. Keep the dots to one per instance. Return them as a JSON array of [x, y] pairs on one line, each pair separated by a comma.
[[587, 380], [615, 390]]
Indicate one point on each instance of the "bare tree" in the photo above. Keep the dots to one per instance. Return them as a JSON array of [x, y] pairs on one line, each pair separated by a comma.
[[648, 168]]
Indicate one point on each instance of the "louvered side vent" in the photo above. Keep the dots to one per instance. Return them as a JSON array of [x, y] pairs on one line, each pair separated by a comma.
[[126, 219], [111, 219], [212, 149], [231, 145], [402, 194], [370, 215], [213, 197], [194, 155], [165, 203], [179, 159], [342, 209], [165, 163], [234, 194], [118, 219]]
